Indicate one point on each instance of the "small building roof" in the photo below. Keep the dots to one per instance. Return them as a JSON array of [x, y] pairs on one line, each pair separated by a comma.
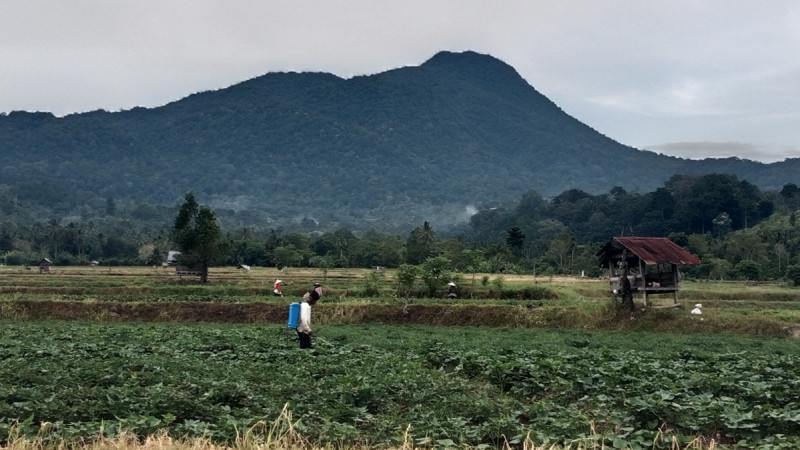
[[651, 250]]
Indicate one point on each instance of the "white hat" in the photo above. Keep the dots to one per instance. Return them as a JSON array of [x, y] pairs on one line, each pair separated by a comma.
[[451, 284], [698, 305], [278, 281]]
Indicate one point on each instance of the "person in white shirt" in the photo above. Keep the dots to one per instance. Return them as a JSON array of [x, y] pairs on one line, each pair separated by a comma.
[[304, 330]]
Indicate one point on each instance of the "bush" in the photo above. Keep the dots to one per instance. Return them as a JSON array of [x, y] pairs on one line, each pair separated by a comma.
[[499, 282], [793, 274], [529, 293], [406, 277], [748, 269], [435, 273], [372, 285], [18, 258]]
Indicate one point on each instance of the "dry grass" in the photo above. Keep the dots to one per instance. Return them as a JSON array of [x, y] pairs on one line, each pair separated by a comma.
[[248, 442], [282, 435], [252, 441]]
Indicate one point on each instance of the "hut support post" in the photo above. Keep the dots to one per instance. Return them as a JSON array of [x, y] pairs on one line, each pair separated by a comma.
[[644, 283], [675, 283]]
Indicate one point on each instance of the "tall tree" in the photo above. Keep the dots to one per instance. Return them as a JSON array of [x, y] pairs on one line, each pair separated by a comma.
[[473, 259], [561, 252], [198, 236], [515, 239], [406, 276], [420, 244], [54, 235]]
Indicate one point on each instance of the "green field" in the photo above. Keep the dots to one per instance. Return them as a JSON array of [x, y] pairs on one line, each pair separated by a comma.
[[367, 384], [566, 369]]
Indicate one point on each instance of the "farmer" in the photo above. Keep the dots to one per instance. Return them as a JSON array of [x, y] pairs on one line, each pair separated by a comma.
[[451, 290], [697, 310], [316, 293], [304, 331], [278, 286]]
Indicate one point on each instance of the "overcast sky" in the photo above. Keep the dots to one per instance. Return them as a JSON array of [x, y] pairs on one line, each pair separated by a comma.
[[690, 78]]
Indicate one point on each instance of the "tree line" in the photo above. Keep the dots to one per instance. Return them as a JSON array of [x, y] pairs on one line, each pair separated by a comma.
[[738, 231]]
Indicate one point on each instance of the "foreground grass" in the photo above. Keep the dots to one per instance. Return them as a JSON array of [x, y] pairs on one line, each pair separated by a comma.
[[282, 435], [249, 441]]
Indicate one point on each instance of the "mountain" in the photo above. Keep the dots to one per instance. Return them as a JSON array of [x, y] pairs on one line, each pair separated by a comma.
[[385, 150]]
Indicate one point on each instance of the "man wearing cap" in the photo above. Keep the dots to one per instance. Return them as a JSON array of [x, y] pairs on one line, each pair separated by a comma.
[[304, 331]]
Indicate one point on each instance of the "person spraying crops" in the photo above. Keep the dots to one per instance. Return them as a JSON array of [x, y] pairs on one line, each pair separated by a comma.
[[304, 331]]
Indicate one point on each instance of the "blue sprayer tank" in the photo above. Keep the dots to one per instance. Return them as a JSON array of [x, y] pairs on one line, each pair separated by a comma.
[[294, 315]]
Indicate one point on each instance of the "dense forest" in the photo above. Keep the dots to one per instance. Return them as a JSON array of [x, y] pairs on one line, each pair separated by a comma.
[[385, 151], [738, 230]]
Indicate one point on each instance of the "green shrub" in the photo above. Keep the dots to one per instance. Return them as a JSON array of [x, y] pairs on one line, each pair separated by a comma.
[[18, 258], [406, 277], [793, 274], [748, 269], [372, 285], [499, 282], [435, 273]]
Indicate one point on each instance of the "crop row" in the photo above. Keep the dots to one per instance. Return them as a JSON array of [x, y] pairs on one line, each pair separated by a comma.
[[369, 384]]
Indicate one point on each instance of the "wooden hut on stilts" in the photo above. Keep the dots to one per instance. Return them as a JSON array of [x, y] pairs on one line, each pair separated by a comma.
[[650, 265]]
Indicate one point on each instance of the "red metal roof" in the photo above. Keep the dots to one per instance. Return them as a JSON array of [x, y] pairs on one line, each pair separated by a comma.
[[654, 250]]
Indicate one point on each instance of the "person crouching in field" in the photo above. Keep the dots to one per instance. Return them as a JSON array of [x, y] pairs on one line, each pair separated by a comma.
[[277, 292], [304, 331]]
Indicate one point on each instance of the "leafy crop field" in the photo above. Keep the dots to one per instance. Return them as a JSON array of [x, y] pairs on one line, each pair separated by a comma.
[[375, 384], [544, 359]]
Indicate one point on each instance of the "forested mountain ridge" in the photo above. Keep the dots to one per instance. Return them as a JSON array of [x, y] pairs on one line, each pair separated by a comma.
[[386, 150]]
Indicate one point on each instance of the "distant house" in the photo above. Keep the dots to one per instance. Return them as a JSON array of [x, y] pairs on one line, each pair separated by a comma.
[[44, 265], [650, 263]]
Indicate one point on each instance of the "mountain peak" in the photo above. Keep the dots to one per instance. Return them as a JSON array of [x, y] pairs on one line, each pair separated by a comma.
[[469, 56], [469, 60], [477, 69]]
